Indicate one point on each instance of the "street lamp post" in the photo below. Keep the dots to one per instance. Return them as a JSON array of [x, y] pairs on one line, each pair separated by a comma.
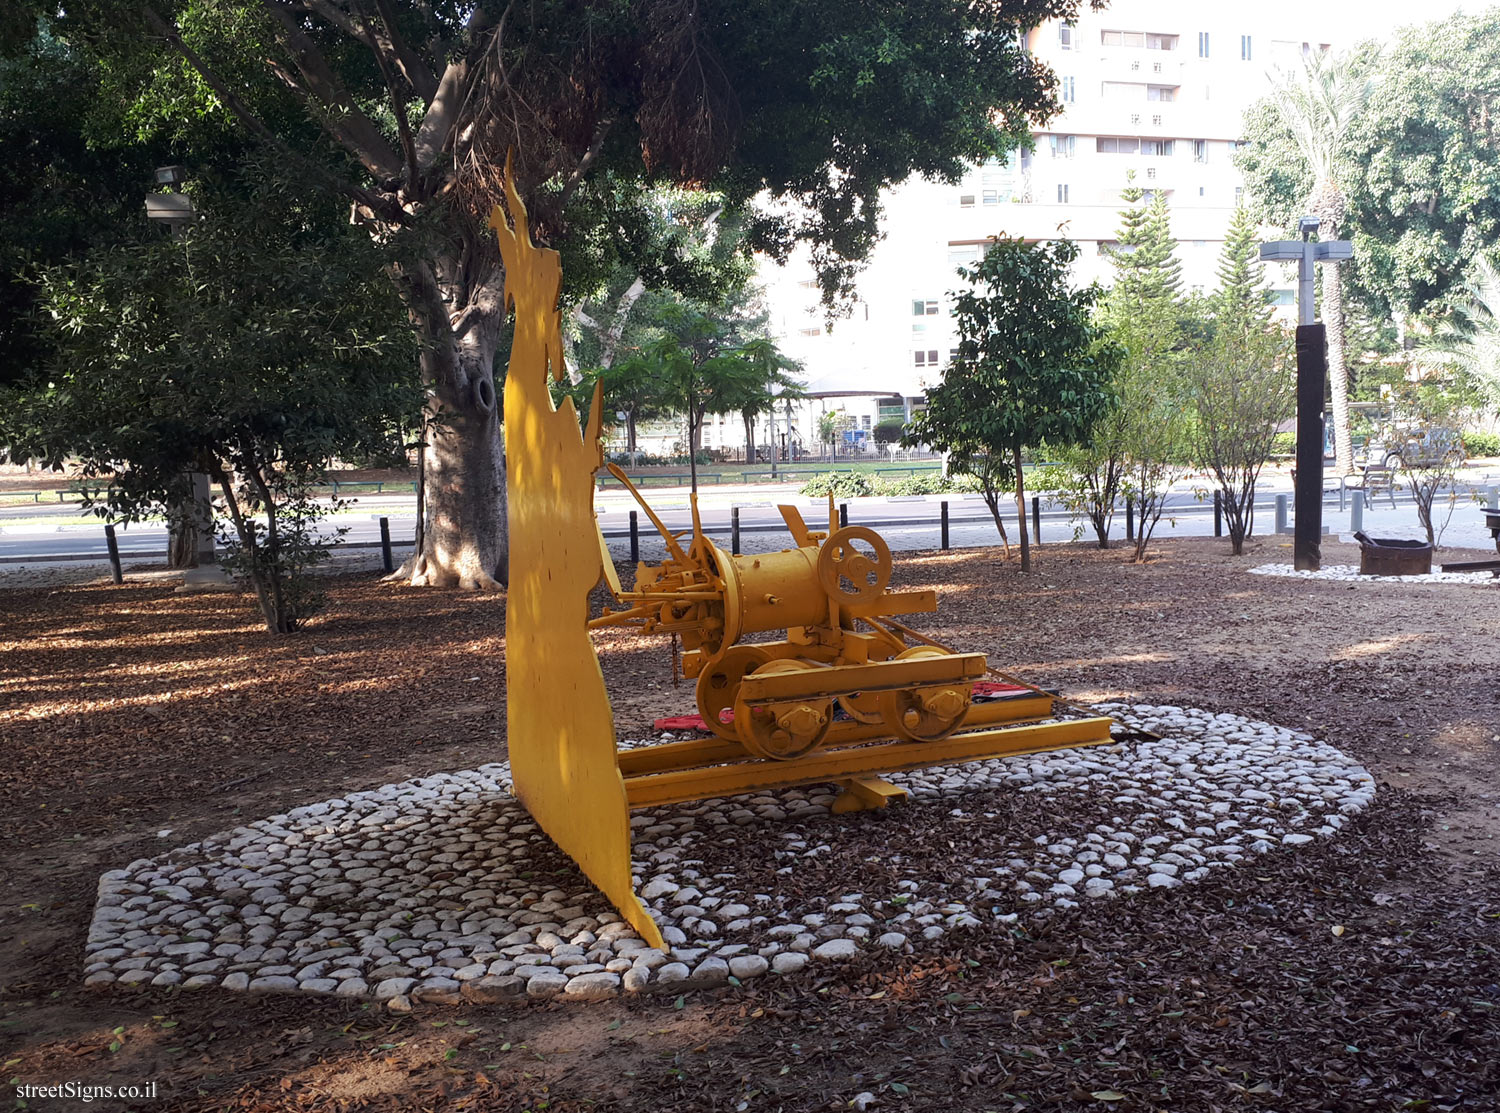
[[175, 210], [1312, 375]]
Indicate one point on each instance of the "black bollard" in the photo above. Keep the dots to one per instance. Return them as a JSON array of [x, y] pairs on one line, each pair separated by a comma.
[[1218, 514], [635, 539], [1036, 520], [1129, 518], [385, 546], [843, 514], [944, 518], [115, 571], [734, 530]]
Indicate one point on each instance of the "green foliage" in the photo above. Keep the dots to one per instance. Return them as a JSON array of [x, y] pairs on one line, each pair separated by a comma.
[[1468, 340], [255, 347], [850, 484], [1139, 441], [1431, 407], [1426, 199], [1284, 444], [1242, 300], [1241, 387], [1030, 367], [1479, 444], [889, 432]]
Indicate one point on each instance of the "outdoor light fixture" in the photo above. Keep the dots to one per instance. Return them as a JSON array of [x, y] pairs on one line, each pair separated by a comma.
[[1305, 252], [170, 175]]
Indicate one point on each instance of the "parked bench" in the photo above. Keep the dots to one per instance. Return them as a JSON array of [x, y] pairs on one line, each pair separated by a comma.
[[1372, 480]]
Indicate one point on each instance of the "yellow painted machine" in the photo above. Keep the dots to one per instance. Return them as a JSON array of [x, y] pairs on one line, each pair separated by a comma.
[[906, 701]]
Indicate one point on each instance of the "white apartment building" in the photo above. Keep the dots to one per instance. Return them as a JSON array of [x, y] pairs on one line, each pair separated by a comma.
[[1158, 87]]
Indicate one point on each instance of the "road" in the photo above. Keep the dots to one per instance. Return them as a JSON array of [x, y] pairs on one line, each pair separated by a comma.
[[907, 523]]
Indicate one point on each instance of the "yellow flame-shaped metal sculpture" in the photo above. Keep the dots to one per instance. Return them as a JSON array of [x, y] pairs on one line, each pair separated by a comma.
[[560, 728]]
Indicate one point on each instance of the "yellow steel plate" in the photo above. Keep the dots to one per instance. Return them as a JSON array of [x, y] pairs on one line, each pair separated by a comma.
[[559, 724]]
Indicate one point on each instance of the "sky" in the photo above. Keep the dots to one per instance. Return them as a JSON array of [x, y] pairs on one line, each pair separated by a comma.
[[1379, 18]]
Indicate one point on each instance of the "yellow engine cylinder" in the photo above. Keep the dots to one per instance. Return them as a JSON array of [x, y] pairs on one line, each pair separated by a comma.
[[770, 591]]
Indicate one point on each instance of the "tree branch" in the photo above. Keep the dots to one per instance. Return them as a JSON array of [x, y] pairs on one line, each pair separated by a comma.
[[383, 207], [447, 103], [340, 117], [576, 178], [398, 104]]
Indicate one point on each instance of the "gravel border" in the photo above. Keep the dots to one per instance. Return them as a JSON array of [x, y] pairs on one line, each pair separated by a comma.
[[1349, 573], [443, 889]]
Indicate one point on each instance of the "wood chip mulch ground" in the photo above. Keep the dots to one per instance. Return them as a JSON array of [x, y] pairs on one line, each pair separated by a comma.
[[1360, 974]]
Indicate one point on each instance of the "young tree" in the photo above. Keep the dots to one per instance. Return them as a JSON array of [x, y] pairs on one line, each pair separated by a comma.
[[407, 111], [1310, 115], [1138, 443], [254, 348], [1241, 387], [1030, 367], [1436, 405]]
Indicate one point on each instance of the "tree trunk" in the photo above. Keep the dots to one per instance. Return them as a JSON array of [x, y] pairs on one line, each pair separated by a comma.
[[692, 445], [182, 538], [1338, 366], [630, 433], [749, 437], [1024, 537], [463, 467], [992, 500]]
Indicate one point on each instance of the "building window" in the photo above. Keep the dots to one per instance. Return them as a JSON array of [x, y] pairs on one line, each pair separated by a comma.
[[1161, 42], [1283, 297], [1158, 148], [1065, 36], [929, 358], [1200, 191], [1161, 92], [921, 307], [1203, 44], [990, 196], [811, 332], [1122, 38], [961, 253], [1067, 90], [1113, 146], [965, 200], [952, 354], [808, 283], [1062, 146], [1200, 243], [1200, 150], [1233, 146], [864, 421], [1062, 193], [1245, 48]]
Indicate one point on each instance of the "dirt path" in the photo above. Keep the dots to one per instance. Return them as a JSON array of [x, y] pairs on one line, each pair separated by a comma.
[[126, 712]]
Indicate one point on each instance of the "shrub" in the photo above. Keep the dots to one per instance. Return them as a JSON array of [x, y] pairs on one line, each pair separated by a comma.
[[889, 432], [1482, 444], [840, 484], [1284, 444]]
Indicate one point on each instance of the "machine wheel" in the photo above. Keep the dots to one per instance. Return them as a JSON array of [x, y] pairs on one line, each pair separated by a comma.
[[783, 730], [863, 707], [925, 714], [719, 686], [848, 573]]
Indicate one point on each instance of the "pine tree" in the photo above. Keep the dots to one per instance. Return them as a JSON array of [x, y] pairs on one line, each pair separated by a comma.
[[1147, 271], [1243, 300]]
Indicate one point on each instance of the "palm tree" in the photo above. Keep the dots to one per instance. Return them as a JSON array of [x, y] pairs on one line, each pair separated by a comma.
[[1470, 338], [1318, 106]]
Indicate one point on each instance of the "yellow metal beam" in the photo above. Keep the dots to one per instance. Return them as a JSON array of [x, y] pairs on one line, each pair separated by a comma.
[[680, 785], [866, 794], [952, 668]]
